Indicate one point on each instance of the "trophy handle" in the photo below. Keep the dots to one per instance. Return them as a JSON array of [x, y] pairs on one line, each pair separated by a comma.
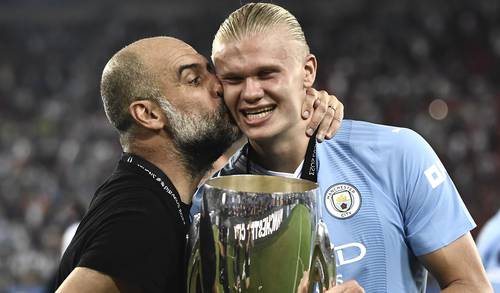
[[194, 276], [323, 271], [194, 273]]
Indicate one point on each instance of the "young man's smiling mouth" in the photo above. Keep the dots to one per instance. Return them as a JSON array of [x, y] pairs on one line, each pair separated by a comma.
[[258, 113]]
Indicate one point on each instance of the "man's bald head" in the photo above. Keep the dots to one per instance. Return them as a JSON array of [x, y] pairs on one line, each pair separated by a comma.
[[134, 73], [186, 102]]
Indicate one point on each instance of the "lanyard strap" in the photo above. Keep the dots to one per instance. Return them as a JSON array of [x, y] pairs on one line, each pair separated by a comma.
[[309, 168], [157, 176]]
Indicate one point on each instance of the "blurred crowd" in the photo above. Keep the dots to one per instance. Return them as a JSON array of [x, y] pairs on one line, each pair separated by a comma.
[[433, 66]]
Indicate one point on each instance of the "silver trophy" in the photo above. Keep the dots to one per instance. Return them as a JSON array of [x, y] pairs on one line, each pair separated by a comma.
[[259, 234]]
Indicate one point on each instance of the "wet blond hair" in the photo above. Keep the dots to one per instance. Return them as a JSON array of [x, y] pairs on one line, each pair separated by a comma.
[[254, 18]]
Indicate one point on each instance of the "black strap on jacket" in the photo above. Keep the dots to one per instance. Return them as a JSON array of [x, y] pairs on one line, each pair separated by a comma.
[[157, 176]]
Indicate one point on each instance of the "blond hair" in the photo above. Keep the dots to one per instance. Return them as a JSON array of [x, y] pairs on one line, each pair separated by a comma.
[[255, 18]]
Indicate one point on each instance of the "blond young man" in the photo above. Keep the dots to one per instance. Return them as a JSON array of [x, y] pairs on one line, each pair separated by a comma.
[[390, 206]]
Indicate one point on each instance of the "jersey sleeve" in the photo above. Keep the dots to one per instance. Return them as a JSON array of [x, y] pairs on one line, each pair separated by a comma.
[[134, 243], [434, 214]]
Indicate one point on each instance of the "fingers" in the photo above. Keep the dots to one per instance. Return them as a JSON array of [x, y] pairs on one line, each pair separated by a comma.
[[327, 115], [315, 106], [338, 116], [308, 105], [304, 283], [320, 106], [350, 286], [327, 118]]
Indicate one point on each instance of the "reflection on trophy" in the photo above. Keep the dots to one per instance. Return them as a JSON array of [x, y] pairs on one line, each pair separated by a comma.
[[259, 234]]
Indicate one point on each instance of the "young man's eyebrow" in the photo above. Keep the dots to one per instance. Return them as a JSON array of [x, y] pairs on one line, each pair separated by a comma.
[[255, 71]]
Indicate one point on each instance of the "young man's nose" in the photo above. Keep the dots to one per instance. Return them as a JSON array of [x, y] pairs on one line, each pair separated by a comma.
[[252, 90]]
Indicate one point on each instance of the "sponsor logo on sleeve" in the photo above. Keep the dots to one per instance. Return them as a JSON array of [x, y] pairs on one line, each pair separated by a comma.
[[435, 174]]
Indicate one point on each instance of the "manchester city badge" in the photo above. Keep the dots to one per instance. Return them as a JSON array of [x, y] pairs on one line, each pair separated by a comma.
[[342, 200]]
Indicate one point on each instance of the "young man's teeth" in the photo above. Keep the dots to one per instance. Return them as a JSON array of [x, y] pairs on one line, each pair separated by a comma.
[[259, 113], [257, 116]]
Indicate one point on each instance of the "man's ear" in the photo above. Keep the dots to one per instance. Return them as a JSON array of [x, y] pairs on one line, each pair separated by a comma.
[[147, 114], [310, 67]]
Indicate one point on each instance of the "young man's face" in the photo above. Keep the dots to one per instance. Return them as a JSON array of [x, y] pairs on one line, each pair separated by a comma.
[[263, 80]]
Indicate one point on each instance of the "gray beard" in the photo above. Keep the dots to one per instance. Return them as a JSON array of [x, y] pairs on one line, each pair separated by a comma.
[[200, 138]]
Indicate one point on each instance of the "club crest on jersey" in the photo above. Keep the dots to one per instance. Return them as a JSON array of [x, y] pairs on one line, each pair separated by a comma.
[[342, 200]]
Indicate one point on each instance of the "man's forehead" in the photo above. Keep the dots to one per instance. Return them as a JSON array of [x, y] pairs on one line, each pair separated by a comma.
[[187, 58], [155, 44], [176, 57], [250, 51], [275, 35], [164, 51]]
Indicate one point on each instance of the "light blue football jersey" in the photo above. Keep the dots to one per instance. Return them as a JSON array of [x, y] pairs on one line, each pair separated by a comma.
[[386, 199], [488, 244]]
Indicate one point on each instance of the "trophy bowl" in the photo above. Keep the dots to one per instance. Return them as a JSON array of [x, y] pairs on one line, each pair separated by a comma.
[[259, 234]]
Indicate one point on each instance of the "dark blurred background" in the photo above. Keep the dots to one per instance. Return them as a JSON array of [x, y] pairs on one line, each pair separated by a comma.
[[429, 65]]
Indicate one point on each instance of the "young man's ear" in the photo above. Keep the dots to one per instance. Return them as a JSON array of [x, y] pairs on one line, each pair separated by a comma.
[[147, 114], [310, 67]]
